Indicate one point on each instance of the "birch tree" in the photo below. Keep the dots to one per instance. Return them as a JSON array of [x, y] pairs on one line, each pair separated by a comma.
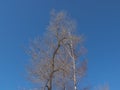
[[55, 58]]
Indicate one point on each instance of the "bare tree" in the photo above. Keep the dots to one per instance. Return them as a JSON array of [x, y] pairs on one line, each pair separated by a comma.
[[55, 59]]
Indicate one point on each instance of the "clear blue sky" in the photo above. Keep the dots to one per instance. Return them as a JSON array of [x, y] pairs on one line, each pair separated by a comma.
[[98, 20]]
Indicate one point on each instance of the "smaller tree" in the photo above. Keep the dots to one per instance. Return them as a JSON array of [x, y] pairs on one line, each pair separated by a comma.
[[104, 87]]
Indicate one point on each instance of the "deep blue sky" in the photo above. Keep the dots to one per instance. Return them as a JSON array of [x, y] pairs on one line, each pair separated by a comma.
[[98, 20]]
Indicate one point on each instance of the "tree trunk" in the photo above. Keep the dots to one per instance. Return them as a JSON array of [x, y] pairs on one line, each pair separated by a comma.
[[51, 78]]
